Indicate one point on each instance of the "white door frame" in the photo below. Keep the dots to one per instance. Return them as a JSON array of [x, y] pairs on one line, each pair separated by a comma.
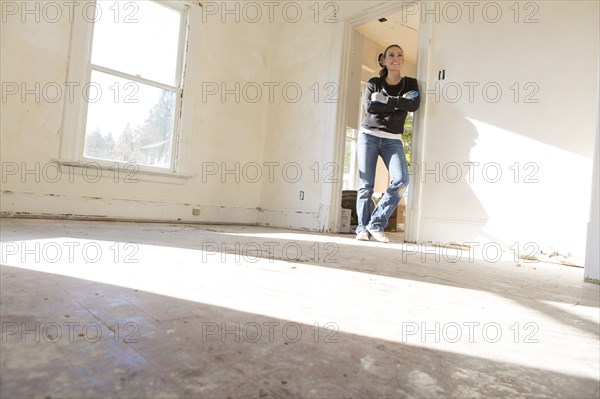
[[419, 124]]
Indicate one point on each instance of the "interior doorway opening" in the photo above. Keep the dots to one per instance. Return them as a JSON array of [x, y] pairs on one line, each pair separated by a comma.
[[369, 40]]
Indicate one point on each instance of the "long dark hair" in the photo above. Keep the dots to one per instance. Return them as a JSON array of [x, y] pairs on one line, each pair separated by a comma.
[[384, 71]]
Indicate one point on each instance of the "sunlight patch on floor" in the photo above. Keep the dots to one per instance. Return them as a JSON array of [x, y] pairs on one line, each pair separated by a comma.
[[395, 309]]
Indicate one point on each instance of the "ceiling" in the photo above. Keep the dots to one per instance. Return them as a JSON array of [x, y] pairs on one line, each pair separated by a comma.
[[400, 28]]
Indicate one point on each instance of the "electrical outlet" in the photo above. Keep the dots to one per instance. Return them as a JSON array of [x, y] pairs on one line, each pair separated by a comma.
[[196, 211]]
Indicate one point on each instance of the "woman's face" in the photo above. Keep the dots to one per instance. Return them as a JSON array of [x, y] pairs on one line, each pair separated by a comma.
[[394, 59]]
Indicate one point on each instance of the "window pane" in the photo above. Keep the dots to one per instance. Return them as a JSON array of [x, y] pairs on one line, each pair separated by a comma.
[[348, 158], [129, 121], [138, 38], [349, 161]]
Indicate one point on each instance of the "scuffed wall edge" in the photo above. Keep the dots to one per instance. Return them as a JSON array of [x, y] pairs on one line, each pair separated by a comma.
[[296, 220], [54, 206], [38, 205]]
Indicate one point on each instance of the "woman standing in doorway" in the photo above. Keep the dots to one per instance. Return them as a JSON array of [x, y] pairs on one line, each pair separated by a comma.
[[387, 99]]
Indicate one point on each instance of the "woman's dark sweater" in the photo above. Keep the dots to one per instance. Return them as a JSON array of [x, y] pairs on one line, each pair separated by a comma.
[[389, 117]]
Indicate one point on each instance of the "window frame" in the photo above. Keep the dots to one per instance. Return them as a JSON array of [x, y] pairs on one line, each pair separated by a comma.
[[79, 72], [353, 174], [350, 181]]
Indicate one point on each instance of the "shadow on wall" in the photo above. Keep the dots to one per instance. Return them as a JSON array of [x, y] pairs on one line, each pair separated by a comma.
[[453, 209]]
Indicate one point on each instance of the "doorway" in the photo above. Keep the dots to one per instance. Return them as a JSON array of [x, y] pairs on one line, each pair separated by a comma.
[[369, 36]]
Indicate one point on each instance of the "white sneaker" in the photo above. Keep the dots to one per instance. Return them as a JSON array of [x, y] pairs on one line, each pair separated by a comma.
[[362, 236], [378, 235]]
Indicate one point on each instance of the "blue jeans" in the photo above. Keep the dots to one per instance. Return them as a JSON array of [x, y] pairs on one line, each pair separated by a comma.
[[369, 147]]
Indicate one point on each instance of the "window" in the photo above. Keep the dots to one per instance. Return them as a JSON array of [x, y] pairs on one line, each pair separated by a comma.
[[350, 160], [129, 61]]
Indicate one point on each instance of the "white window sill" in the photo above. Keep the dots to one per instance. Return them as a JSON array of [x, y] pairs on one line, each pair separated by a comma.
[[119, 173]]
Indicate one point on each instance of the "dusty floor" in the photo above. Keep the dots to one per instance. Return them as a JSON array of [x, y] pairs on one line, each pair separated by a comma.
[[92, 309]]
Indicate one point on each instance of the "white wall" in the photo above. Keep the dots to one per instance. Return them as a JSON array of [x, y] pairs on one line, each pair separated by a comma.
[[223, 132], [370, 53], [558, 54], [551, 140], [286, 138], [592, 255], [309, 55]]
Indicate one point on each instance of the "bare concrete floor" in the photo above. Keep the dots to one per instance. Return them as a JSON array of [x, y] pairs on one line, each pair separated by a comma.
[[94, 309]]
